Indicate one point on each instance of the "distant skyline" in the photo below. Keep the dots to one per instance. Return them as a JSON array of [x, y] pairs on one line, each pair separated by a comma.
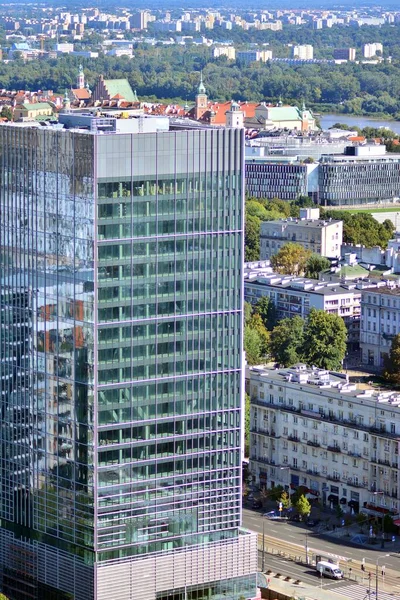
[[234, 4]]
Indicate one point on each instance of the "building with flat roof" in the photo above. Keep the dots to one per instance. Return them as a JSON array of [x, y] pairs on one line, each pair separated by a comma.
[[296, 296], [303, 51], [337, 175], [312, 428], [121, 299], [315, 234], [380, 322]]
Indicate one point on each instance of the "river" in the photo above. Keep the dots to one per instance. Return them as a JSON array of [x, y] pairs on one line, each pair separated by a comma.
[[329, 119]]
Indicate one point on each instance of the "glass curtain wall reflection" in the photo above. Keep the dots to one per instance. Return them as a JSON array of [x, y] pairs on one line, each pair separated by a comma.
[[121, 353]]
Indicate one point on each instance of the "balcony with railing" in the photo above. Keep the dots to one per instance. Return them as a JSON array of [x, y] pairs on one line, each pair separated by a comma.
[[313, 443], [334, 448]]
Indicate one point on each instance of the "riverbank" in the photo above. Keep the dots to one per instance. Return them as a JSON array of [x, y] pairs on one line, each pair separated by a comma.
[[330, 119]]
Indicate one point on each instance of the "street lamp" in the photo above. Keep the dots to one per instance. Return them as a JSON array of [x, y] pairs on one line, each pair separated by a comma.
[[383, 519], [288, 470], [376, 574]]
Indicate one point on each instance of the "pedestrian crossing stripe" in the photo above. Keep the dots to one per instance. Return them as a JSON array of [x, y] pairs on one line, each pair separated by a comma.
[[360, 592]]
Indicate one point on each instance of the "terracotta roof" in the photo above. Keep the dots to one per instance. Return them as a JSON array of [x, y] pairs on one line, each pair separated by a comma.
[[357, 138], [81, 93]]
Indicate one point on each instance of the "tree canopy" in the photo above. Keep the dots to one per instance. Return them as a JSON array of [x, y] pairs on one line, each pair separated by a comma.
[[303, 506], [319, 341], [325, 337], [392, 362], [362, 228], [287, 340], [291, 259], [315, 265]]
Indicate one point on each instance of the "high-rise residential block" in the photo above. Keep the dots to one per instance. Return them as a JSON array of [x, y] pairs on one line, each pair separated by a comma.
[[121, 361]]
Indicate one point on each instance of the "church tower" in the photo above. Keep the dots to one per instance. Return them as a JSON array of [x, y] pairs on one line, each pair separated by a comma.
[[235, 116], [304, 118], [80, 80], [201, 100]]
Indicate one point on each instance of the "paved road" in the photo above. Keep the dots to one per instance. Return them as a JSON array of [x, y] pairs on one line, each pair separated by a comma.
[[309, 576], [296, 534]]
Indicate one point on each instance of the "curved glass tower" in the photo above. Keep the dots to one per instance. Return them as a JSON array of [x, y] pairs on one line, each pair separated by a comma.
[[121, 248]]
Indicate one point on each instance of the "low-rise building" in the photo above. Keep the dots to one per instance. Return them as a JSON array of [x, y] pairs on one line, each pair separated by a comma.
[[296, 296], [380, 322], [315, 234], [312, 428], [32, 112]]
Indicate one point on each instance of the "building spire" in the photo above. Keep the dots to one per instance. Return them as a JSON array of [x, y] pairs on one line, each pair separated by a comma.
[[201, 89]]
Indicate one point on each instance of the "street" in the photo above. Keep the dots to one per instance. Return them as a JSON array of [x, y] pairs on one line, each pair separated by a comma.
[[296, 534]]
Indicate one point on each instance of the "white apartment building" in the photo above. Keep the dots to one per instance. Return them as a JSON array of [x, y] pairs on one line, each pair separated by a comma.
[[304, 51], [380, 322], [296, 296], [310, 427], [319, 236], [228, 51], [370, 50]]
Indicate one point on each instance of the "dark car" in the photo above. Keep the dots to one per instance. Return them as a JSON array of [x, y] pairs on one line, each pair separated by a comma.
[[295, 518], [313, 522]]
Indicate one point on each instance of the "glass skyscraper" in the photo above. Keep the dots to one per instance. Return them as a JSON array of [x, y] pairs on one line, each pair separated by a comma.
[[121, 251]]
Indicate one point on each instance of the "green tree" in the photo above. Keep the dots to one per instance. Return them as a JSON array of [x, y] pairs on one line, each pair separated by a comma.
[[256, 323], [291, 259], [247, 425], [303, 506], [392, 362], [256, 209], [287, 340], [7, 113], [252, 346], [248, 311], [275, 493], [325, 337], [252, 238], [315, 265], [265, 307], [285, 499]]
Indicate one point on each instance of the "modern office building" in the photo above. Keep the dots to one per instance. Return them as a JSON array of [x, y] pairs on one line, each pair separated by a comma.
[[364, 174], [276, 177], [311, 428], [296, 296], [359, 175], [317, 235], [380, 322], [121, 361]]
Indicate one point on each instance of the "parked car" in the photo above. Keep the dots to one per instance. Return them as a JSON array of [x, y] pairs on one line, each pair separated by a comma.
[[296, 518], [270, 514], [313, 522]]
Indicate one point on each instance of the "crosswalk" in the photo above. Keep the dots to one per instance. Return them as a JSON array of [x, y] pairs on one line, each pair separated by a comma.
[[360, 592]]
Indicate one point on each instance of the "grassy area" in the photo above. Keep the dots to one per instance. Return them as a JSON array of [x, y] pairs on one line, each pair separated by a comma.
[[368, 210]]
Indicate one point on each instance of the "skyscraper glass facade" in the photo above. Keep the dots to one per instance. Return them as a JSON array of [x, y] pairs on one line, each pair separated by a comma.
[[121, 357]]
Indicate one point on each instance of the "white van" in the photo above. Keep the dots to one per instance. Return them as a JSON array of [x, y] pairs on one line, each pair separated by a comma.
[[327, 569]]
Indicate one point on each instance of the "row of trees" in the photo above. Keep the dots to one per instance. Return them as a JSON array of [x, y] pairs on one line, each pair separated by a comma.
[[319, 340], [172, 73]]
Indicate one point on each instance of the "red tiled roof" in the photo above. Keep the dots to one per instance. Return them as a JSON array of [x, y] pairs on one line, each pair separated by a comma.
[[81, 93]]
